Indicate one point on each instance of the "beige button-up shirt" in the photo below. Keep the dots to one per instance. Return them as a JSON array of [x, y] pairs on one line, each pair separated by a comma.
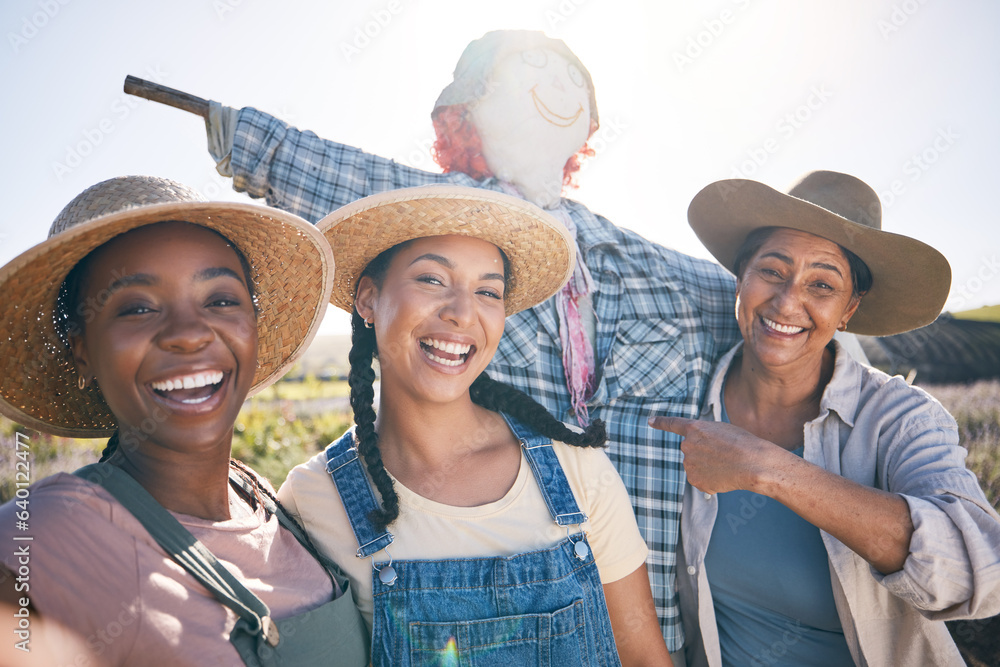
[[878, 431]]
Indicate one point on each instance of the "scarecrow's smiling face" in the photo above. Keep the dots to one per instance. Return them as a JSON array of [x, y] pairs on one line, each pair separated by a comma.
[[536, 111], [172, 342]]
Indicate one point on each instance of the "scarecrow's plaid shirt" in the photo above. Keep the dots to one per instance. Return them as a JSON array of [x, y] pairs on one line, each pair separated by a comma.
[[662, 320]]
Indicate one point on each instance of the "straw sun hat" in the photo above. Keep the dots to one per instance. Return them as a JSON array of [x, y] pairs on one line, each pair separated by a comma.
[[540, 249], [291, 267], [910, 279]]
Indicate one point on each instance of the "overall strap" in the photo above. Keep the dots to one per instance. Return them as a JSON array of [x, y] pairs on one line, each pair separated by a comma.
[[183, 547], [344, 466], [548, 473]]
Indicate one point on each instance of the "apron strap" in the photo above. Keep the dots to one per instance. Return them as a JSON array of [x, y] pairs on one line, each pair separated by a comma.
[[183, 547]]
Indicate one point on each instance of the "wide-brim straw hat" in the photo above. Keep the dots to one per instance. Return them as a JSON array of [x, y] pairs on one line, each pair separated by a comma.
[[539, 248], [475, 67], [910, 279], [291, 267]]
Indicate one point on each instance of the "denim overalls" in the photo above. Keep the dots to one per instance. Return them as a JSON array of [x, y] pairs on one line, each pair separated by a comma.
[[542, 607]]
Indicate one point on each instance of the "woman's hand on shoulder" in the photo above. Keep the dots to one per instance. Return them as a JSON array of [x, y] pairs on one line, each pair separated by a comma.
[[720, 457]]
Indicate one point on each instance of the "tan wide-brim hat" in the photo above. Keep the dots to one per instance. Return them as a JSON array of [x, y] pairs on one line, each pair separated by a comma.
[[910, 279], [291, 267], [540, 249]]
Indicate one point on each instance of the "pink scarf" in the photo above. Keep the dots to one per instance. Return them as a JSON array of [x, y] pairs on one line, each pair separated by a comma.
[[577, 352]]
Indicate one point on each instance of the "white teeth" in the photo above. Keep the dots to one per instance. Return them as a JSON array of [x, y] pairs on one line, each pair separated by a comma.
[[450, 348], [445, 362], [189, 382], [782, 328]]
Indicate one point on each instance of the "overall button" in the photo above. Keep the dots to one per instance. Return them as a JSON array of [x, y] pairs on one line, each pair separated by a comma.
[[387, 575]]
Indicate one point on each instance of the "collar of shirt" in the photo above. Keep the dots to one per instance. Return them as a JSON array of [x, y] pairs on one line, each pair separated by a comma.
[[841, 394]]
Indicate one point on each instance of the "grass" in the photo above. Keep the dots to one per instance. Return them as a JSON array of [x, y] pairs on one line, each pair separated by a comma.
[[272, 435], [984, 314], [976, 408], [291, 421]]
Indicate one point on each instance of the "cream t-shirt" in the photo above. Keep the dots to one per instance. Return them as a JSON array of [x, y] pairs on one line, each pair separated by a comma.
[[517, 523]]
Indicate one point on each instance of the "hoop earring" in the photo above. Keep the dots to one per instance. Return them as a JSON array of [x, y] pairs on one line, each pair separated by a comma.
[[81, 382], [369, 325]]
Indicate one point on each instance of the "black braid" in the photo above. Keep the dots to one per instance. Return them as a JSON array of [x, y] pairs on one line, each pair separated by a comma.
[[361, 379], [500, 397], [110, 448]]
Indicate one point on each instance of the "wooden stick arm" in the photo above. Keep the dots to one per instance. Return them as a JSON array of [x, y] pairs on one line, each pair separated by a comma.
[[169, 96]]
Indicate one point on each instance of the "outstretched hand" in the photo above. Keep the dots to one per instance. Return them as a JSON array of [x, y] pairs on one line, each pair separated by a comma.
[[718, 457]]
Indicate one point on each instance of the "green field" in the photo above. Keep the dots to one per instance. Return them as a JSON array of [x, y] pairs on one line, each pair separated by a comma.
[[273, 433], [282, 426], [984, 314]]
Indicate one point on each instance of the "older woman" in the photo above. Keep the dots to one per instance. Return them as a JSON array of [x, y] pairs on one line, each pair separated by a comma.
[[829, 517]]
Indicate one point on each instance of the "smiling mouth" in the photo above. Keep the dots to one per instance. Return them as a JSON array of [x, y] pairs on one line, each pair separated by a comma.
[[550, 115], [446, 354], [189, 389], [781, 328]]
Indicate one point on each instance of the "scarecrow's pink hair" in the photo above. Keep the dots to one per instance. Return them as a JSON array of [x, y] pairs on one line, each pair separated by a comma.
[[459, 149]]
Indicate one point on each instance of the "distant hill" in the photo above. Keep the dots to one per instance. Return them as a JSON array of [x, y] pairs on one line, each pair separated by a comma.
[[945, 351], [984, 314]]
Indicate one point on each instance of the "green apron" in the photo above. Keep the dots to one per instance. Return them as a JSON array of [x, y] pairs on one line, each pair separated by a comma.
[[333, 633]]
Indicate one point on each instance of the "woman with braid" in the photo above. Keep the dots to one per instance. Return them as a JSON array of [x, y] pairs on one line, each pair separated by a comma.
[[475, 528], [149, 315]]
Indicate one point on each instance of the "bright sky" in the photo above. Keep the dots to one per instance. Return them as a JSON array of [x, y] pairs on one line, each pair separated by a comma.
[[901, 93]]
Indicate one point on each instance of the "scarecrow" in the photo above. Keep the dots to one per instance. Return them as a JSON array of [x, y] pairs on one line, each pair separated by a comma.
[[638, 327]]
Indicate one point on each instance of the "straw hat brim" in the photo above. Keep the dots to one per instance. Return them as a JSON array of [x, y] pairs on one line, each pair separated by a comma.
[[292, 269], [911, 280], [540, 249]]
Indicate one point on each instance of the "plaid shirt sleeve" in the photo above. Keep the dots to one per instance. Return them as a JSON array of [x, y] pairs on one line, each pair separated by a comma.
[[299, 172]]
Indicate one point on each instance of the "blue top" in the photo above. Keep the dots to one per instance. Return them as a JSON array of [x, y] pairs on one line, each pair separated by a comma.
[[771, 587]]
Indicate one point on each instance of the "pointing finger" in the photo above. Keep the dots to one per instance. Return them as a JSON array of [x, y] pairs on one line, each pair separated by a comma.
[[676, 425]]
